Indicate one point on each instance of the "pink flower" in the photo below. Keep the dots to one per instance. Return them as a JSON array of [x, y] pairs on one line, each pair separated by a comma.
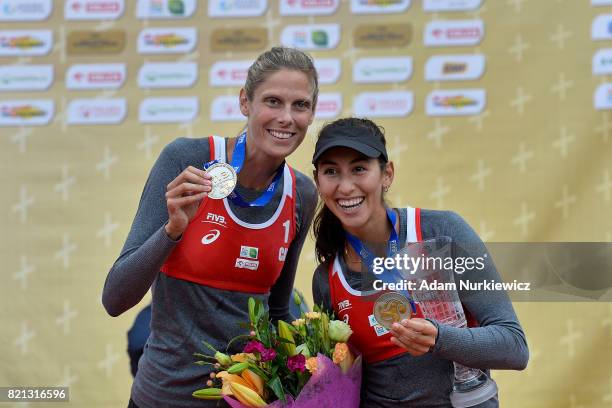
[[297, 362], [254, 346], [268, 354]]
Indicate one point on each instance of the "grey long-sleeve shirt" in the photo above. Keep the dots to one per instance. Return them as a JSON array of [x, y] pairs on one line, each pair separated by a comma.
[[185, 313], [426, 381]]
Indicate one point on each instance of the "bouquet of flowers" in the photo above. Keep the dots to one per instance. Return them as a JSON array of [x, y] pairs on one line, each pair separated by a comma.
[[303, 364]]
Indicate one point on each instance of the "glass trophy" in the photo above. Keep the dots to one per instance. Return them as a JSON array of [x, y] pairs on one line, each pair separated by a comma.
[[471, 386]]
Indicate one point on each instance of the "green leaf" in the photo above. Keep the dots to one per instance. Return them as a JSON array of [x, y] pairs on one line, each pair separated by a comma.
[[277, 387], [210, 346], [243, 336], [257, 370], [200, 355], [252, 311], [203, 363], [208, 394], [237, 368]]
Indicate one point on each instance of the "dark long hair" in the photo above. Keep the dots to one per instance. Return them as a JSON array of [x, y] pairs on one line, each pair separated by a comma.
[[328, 231]]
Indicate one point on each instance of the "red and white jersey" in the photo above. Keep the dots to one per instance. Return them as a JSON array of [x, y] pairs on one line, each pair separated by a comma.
[[219, 250], [357, 308]]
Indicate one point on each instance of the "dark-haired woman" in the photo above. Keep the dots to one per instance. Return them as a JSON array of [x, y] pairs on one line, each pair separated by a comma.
[[411, 364], [204, 256]]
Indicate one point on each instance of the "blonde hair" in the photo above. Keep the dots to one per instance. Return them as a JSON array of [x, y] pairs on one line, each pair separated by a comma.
[[279, 58]]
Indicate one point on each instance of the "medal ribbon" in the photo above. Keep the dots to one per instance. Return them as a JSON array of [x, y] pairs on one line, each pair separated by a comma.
[[237, 162], [367, 257]]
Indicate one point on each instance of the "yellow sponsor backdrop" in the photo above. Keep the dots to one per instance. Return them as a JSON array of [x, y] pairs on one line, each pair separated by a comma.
[[535, 166]]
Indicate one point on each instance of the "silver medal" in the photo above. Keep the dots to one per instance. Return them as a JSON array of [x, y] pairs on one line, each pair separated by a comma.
[[224, 180]]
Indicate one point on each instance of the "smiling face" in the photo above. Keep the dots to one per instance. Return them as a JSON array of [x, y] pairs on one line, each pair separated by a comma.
[[351, 186], [279, 113]]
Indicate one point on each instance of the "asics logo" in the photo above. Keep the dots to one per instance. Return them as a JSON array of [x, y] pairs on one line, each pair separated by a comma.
[[211, 237]]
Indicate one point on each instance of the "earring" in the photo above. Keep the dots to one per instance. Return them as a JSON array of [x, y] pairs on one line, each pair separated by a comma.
[[386, 189]]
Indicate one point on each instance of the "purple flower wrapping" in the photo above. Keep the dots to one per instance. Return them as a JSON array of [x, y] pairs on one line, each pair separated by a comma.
[[327, 387]]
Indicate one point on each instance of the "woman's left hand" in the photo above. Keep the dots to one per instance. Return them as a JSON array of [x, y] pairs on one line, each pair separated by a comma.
[[415, 335]]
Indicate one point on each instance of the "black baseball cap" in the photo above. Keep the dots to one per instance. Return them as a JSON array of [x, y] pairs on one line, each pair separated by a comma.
[[358, 138]]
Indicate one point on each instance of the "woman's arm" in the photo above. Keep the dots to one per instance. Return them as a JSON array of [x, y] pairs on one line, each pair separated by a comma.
[[147, 245], [499, 342]]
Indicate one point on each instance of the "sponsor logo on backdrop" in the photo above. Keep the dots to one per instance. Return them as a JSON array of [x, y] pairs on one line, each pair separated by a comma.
[[95, 76], [308, 7], [382, 69], [453, 33], [236, 8], [451, 5], [602, 62], [601, 2], [33, 112], [226, 108], [456, 102], [167, 40], [312, 36], [165, 9], [91, 42], [168, 110], [602, 100], [601, 28], [25, 10], [168, 75], [454, 67], [96, 111], [25, 42], [329, 105], [379, 6], [391, 104], [93, 9], [329, 70], [239, 39], [229, 73], [25, 77], [382, 35]]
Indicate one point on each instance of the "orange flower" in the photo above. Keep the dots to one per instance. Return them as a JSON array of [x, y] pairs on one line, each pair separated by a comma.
[[311, 364], [340, 352], [243, 357], [343, 357]]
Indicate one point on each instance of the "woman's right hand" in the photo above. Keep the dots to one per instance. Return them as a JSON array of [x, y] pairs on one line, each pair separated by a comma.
[[183, 196]]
